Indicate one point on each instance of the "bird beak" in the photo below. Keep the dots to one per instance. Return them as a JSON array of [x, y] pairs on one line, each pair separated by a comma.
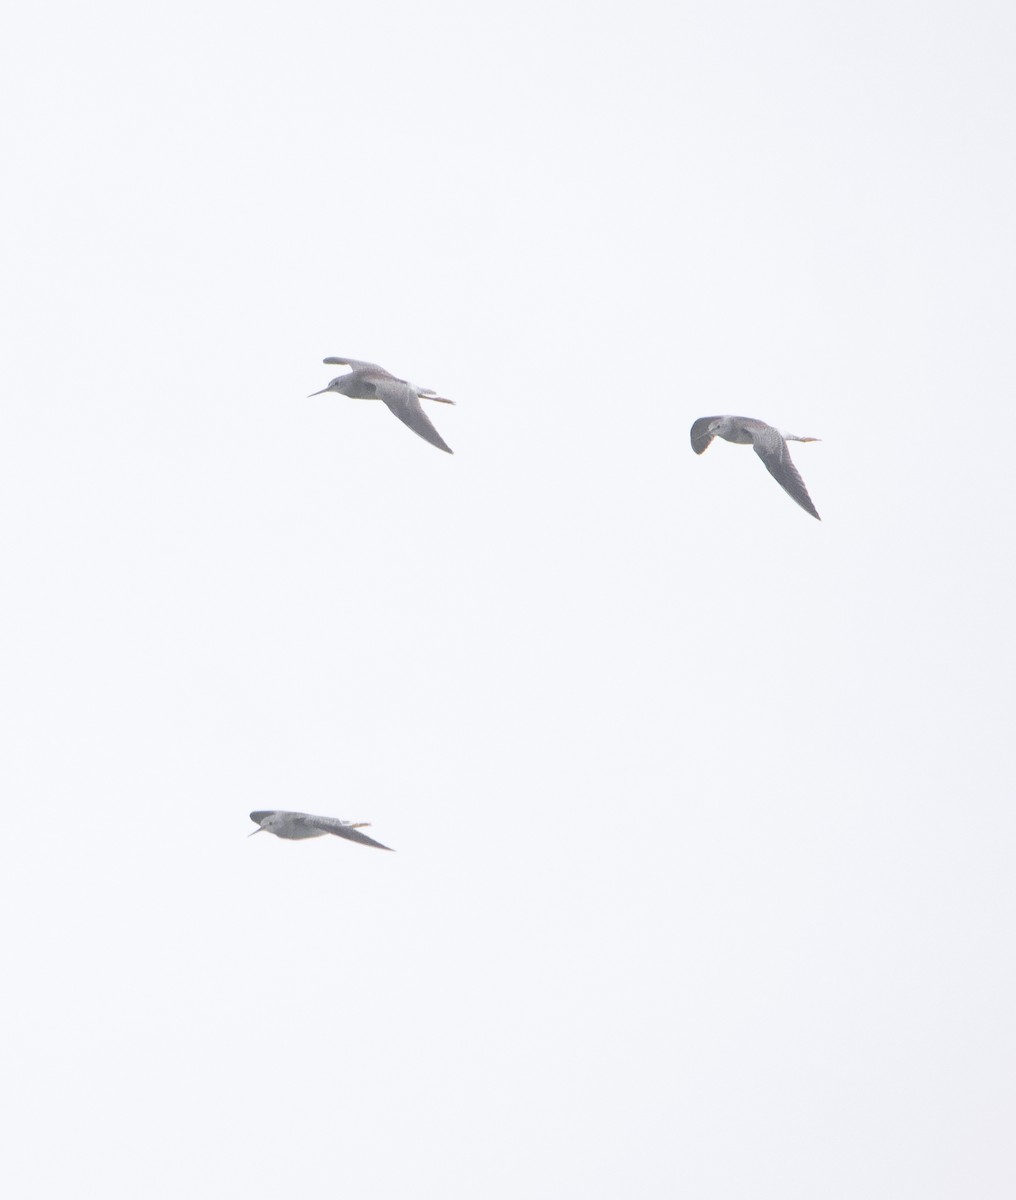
[[260, 829], [321, 393]]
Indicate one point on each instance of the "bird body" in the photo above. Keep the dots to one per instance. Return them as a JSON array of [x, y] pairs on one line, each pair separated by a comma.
[[294, 825], [770, 445], [368, 381]]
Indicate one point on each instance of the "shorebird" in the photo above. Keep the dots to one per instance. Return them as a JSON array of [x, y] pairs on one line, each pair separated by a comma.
[[368, 381], [770, 445], [303, 825]]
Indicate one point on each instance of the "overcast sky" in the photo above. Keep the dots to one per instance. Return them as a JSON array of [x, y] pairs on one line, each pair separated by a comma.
[[703, 809]]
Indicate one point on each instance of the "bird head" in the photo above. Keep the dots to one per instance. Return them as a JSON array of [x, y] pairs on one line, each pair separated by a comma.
[[334, 386], [265, 822]]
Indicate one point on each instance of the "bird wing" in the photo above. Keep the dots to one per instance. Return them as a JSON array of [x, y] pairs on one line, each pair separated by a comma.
[[771, 446], [344, 830], [700, 435], [403, 401], [358, 365]]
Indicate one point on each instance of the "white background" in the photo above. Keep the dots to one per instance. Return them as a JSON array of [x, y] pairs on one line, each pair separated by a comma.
[[703, 809]]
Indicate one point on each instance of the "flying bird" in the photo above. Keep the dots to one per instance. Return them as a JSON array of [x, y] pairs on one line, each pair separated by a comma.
[[770, 445], [368, 381], [303, 825]]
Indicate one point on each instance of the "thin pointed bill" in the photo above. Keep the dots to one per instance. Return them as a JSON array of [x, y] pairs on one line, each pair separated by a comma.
[[321, 393]]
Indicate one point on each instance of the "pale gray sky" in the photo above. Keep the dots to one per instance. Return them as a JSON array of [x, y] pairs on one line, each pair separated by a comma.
[[703, 809]]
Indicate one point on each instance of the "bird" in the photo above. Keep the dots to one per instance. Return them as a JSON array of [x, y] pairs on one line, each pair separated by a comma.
[[770, 445], [303, 825], [368, 381]]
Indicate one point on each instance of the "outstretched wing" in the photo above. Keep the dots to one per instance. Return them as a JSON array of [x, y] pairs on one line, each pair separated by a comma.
[[700, 435], [344, 830], [357, 365], [771, 447], [403, 401]]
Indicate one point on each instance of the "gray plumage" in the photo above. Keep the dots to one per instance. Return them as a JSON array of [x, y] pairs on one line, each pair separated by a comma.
[[303, 825], [770, 445], [368, 381]]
